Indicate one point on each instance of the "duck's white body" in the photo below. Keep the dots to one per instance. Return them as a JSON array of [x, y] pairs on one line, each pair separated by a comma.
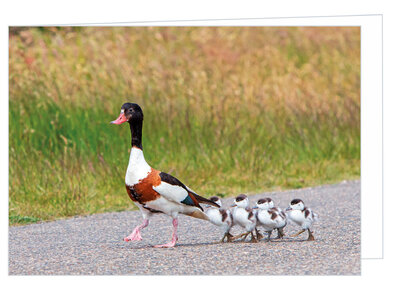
[[168, 200]]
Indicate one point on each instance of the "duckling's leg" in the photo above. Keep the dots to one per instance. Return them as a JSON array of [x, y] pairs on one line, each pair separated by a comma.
[[174, 236], [245, 236], [269, 235], [239, 236], [295, 235], [229, 237], [135, 235], [223, 238], [310, 236], [259, 236], [253, 238], [280, 233]]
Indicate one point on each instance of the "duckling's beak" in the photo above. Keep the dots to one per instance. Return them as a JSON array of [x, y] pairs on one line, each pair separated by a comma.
[[255, 207], [121, 119], [233, 205]]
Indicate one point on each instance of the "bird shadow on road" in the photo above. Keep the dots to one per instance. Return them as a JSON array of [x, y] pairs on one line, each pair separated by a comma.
[[137, 246]]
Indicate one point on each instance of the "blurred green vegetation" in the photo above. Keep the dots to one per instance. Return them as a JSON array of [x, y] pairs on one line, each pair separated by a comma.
[[227, 110]]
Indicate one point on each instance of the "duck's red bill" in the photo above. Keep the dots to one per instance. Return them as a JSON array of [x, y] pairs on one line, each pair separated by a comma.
[[121, 119]]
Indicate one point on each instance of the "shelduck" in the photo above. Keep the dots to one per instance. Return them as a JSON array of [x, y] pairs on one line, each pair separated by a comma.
[[220, 217], [269, 218], [151, 190], [302, 216], [244, 216]]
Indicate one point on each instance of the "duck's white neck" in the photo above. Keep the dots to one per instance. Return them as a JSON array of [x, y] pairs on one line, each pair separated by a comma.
[[138, 168]]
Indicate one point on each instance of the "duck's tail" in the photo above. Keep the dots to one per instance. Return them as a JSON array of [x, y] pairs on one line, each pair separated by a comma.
[[201, 199], [197, 214]]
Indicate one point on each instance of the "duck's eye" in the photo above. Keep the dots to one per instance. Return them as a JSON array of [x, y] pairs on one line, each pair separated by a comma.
[[131, 110]]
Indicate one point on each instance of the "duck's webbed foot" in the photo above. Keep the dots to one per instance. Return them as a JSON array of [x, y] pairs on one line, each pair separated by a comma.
[[167, 245], [135, 235], [174, 236]]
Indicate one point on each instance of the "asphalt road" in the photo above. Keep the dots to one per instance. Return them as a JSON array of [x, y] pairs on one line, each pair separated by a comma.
[[93, 245]]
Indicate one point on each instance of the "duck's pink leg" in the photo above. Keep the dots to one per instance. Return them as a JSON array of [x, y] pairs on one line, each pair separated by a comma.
[[174, 236], [135, 235]]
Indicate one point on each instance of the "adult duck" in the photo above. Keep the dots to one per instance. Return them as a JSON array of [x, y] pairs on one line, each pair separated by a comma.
[[151, 190]]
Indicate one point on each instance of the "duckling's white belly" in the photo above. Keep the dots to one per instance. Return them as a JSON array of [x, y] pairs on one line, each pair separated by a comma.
[[241, 217], [264, 220], [280, 222], [215, 216], [297, 216]]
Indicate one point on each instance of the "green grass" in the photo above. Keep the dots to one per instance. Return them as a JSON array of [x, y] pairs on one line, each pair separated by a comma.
[[16, 219], [221, 114]]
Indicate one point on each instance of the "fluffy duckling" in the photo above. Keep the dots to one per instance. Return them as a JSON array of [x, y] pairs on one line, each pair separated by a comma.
[[220, 217], [271, 205], [301, 216], [283, 217], [244, 216], [269, 217]]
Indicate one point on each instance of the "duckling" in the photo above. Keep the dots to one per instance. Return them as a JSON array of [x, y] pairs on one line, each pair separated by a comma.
[[244, 216], [220, 217], [269, 218], [283, 217], [301, 216]]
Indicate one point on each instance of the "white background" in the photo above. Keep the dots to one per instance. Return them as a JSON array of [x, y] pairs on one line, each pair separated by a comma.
[[373, 266]]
